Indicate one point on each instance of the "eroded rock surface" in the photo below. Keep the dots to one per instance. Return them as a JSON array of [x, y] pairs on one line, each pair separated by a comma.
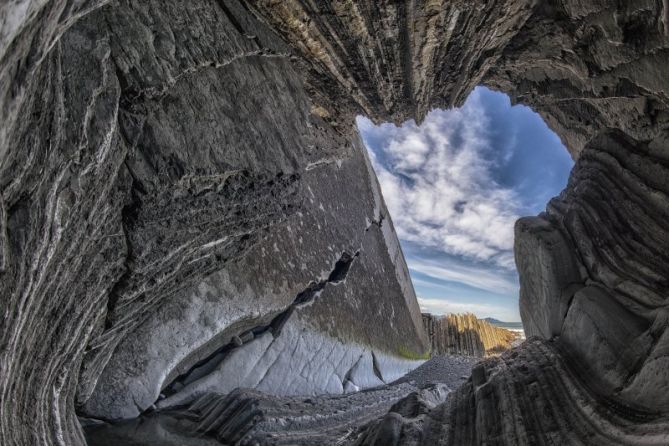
[[173, 175], [465, 334], [168, 187], [527, 396], [252, 417]]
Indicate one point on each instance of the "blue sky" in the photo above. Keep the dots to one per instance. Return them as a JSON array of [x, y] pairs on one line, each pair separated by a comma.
[[454, 187]]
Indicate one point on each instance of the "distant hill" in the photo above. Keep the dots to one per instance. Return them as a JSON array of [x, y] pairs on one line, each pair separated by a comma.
[[501, 324]]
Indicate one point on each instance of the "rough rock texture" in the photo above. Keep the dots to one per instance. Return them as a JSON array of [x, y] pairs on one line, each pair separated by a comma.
[[253, 417], [175, 175], [593, 268], [167, 187], [527, 396], [464, 334]]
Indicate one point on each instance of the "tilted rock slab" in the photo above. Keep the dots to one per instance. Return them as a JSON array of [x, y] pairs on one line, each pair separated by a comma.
[[248, 417], [168, 187]]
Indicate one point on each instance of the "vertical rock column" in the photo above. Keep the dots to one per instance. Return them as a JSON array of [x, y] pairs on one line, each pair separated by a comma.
[[464, 334]]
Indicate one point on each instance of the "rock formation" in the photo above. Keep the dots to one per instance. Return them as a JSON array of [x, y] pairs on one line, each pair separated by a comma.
[[170, 191], [527, 396], [464, 334], [252, 417], [182, 187]]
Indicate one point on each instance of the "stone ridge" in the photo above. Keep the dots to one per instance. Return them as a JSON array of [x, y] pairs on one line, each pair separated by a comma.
[[393, 61], [251, 417], [464, 334]]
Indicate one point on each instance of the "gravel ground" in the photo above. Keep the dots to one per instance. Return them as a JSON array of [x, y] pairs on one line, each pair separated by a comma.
[[447, 369]]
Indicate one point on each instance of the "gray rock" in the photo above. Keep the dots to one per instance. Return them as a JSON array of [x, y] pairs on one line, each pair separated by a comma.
[[249, 416], [521, 397], [549, 275], [174, 174], [246, 337]]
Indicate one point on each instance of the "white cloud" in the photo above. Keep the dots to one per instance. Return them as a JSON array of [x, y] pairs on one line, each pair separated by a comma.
[[441, 306], [481, 278], [437, 183]]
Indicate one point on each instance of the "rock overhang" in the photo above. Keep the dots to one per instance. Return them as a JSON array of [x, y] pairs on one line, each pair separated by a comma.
[[591, 71]]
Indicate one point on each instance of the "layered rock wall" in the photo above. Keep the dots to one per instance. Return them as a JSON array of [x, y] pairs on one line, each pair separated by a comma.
[[592, 268], [465, 334], [527, 396], [174, 176], [169, 188]]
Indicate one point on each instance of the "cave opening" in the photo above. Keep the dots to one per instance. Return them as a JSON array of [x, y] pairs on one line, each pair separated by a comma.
[[454, 185], [260, 268]]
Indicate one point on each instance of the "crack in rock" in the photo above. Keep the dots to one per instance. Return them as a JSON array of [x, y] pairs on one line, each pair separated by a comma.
[[207, 365]]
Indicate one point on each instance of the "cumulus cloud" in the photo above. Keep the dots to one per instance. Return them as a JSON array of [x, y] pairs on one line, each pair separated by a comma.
[[438, 183]]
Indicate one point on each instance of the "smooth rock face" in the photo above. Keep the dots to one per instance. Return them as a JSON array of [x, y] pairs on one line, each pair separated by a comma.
[[259, 286], [549, 275], [464, 334], [299, 361], [175, 176]]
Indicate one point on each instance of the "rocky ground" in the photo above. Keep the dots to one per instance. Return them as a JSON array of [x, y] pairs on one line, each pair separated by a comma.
[[250, 417]]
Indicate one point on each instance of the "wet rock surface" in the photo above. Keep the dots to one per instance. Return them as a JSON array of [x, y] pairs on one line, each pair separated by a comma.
[[174, 175]]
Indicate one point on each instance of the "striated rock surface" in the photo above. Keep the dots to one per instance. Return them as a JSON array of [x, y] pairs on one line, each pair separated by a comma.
[[169, 190], [465, 334], [527, 396], [593, 268], [253, 417], [178, 180]]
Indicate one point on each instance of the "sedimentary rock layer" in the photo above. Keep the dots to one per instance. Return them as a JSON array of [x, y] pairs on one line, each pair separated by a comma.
[[168, 186], [251, 417], [464, 334], [527, 396], [174, 174], [592, 268]]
